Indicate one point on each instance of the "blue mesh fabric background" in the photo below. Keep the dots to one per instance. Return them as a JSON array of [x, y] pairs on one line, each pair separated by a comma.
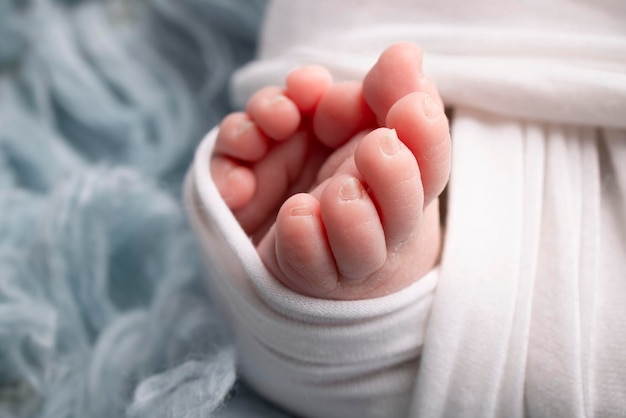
[[103, 311]]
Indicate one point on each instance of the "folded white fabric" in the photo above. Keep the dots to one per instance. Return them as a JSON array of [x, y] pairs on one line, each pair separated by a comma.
[[528, 316], [545, 60]]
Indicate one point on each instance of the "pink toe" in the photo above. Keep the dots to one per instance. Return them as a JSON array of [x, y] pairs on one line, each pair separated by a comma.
[[307, 85], [240, 138], [235, 183], [275, 114], [341, 113], [423, 127], [353, 227], [397, 72]]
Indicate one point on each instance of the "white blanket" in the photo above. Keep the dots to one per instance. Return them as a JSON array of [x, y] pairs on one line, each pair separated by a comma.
[[528, 316]]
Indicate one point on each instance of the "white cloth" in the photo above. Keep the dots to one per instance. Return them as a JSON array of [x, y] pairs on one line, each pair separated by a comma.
[[534, 59], [528, 317]]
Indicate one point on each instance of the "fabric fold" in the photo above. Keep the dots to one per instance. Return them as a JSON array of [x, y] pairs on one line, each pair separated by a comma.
[[514, 329]]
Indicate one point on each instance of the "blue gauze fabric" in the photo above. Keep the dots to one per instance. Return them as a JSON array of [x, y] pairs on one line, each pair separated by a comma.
[[103, 310]]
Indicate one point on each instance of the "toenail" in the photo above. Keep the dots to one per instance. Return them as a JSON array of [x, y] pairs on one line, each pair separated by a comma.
[[390, 144], [301, 211], [244, 126], [431, 110], [227, 191], [276, 99], [351, 189]]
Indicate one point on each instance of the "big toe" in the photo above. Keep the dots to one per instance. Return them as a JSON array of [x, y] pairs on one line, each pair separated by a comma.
[[395, 74]]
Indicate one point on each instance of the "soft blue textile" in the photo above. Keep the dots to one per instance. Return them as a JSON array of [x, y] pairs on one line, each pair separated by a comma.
[[103, 311]]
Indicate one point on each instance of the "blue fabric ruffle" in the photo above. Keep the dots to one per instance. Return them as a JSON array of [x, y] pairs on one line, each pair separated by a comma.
[[103, 310]]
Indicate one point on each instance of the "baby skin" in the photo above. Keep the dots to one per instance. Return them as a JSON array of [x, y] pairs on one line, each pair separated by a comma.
[[338, 183]]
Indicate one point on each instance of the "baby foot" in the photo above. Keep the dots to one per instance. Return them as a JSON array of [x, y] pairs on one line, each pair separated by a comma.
[[368, 224], [277, 146]]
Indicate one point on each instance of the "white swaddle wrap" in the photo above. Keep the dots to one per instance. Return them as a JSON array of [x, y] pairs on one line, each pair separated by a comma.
[[528, 316]]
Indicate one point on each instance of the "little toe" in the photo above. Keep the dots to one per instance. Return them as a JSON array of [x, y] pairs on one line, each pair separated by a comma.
[[235, 183], [393, 177], [275, 114], [423, 127], [353, 228], [240, 138], [306, 86], [341, 113]]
